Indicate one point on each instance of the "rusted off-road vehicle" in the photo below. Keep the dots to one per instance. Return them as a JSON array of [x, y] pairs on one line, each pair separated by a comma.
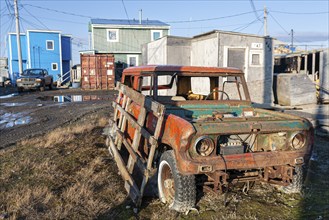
[[184, 124]]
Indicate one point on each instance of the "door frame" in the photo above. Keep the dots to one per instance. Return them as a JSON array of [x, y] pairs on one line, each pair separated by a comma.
[[246, 63], [132, 55]]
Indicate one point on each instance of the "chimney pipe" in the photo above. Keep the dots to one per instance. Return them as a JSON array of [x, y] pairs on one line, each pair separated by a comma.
[[140, 16]]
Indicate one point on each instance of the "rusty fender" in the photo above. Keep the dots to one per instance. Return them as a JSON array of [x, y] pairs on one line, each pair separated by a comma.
[[177, 134]]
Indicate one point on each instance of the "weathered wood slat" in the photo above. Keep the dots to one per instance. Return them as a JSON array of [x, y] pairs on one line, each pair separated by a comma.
[[137, 138], [122, 168], [141, 100], [122, 107], [135, 125], [135, 157]]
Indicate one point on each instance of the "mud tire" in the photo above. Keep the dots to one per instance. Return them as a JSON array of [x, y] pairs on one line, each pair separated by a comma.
[[42, 88], [297, 182], [51, 85], [182, 195]]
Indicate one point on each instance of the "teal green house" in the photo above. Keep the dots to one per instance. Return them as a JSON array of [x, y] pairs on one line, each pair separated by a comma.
[[124, 38]]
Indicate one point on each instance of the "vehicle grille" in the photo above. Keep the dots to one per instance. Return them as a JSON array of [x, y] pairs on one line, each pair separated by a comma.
[[27, 80]]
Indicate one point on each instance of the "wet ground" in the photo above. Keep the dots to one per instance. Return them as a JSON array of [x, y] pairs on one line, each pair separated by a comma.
[[31, 113]]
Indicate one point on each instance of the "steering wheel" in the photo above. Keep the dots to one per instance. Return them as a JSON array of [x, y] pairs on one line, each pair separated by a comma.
[[216, 90]]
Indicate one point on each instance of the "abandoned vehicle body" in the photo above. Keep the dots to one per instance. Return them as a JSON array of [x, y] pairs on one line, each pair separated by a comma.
[[183, 123]]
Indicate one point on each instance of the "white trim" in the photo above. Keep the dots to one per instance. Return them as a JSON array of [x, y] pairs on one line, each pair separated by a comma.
[[52, 69], [128, 59], [225, 59], [92, 39], [47, 44], [155, 31], [44, 31], [28, 51], [60, 53], [260, 53], [117, 35], [10, 55], [12, 33]]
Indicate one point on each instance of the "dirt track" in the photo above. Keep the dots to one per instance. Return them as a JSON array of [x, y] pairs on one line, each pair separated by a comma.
[[33, 113]]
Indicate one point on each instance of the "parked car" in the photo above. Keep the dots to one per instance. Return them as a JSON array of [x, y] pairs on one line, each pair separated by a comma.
[[183, 123], [34, 79]]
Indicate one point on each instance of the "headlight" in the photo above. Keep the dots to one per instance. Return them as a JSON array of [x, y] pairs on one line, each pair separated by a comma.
[[38, 80], [204, 146], [298, 141], [19, 80]]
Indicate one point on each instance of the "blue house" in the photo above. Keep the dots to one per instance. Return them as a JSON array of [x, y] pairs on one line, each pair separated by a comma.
[[49, 50]]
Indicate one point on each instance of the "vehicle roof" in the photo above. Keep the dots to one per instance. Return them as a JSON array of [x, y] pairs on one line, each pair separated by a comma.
[[189, 70]]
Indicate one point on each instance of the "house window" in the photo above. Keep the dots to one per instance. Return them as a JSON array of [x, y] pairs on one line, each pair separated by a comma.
[[50, 44], [255, 59], [113, 35], [54, 66], [156, 34], [132, 60]]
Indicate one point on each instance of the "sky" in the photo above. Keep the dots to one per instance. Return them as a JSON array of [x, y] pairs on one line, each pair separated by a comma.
[[309, 19]]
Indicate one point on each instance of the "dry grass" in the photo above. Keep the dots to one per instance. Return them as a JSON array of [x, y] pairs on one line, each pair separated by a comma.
[[64, 174]]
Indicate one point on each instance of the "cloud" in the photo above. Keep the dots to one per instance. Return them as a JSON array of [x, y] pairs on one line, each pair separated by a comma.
[[303, 37]]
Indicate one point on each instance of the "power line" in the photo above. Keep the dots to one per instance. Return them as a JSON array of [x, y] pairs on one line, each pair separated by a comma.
[[35, 18], [276, 21], [245, 26], [279, 24], [62, 12], [210, 19], [124, 6], [300, 13], [254, 9]]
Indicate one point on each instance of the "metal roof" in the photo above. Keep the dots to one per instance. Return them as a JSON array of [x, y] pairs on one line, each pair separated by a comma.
[[128, 22]]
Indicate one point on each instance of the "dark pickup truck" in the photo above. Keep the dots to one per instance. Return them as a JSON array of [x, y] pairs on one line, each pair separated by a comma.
[[34, 79]]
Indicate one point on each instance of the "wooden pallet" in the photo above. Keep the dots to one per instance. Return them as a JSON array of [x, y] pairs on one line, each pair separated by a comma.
[[118, 140]]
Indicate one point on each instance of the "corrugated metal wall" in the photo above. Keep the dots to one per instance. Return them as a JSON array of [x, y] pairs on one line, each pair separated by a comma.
[[130, 40], [97, 71]]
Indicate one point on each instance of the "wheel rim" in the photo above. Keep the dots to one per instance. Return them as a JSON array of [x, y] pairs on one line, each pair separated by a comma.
[[167, 183]]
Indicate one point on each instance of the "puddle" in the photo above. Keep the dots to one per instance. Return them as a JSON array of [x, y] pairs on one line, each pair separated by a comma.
[[12, 104], [74, 98], [8, 96], [9, 120]]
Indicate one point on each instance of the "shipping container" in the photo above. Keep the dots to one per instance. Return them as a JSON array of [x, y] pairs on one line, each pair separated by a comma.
[[97, 71]]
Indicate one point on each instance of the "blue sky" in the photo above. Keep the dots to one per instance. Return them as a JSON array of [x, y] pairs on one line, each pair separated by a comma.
[[308, 19]]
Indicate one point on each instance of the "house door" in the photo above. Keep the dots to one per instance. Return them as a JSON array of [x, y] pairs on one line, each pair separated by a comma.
[[132, 60], [236, 58]]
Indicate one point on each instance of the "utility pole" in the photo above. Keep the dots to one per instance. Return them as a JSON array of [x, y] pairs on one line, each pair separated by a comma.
[[292, 37], [265, 21], [18, 38]]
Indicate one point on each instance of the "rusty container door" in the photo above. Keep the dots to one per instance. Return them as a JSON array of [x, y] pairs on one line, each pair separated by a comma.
[[97, 71]]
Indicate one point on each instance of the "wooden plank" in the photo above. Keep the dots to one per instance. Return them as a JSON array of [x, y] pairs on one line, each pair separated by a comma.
[[135, 157], [151, 155], [137, 138], [141, 100], [135, 125], [122, 168]]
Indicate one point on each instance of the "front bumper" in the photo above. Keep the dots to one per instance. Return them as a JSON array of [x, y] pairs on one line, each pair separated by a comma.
[[240, 161], [29, 85]]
